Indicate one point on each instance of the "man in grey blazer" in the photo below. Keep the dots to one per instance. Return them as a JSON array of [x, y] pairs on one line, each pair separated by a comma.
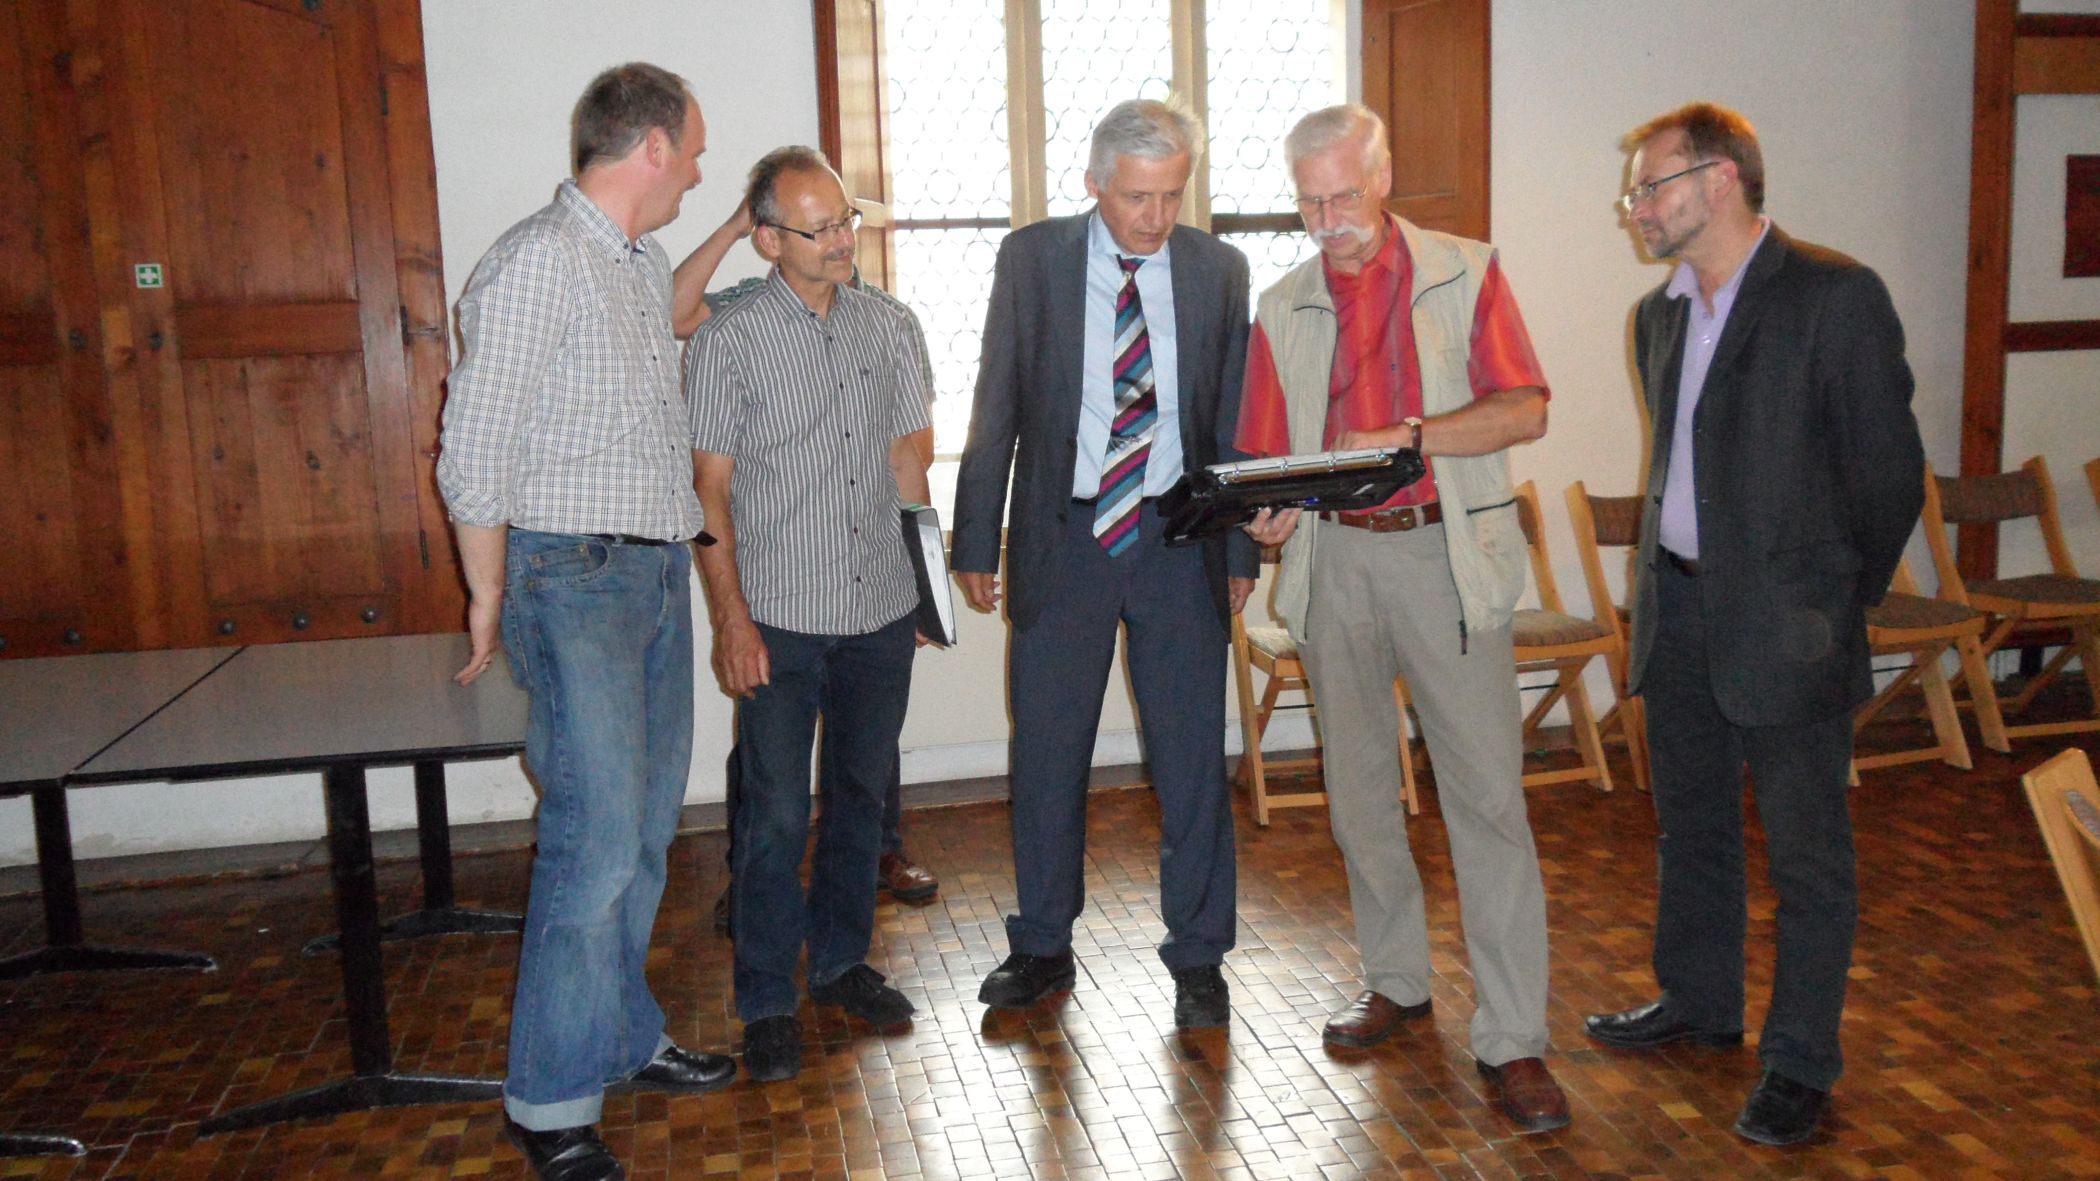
[[1786, 476], [1113, 351]]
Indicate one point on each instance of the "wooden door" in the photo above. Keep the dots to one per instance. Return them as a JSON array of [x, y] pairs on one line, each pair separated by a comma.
[[64, 560], [1426, 74]]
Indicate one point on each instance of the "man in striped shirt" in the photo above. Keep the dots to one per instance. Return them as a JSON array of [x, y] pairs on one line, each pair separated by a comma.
[[803, 399], [569, 482]]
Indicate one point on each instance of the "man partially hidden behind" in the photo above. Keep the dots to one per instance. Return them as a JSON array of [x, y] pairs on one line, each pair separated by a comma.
[[1113, 350], [1395, 336], [804, 400], [570, 485], [1785, 477]]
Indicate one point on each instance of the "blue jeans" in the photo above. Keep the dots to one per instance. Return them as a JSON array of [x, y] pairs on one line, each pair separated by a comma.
[[601, 638], [859, 684]]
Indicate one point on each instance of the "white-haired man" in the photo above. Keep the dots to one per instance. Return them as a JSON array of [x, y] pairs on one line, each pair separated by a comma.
[[1113, 352], [1394, 336]]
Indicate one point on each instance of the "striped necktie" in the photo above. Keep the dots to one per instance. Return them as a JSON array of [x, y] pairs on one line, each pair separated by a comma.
[[1130, 434]]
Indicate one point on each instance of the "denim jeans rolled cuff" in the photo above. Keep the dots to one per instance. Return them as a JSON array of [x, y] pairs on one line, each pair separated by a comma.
[[600, 635], [859, 685]]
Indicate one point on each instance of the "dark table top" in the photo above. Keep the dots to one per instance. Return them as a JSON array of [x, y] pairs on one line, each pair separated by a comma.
[[305, 706], [57, 711]]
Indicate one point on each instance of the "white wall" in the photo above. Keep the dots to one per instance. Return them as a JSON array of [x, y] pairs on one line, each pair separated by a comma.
[[1864, 111]]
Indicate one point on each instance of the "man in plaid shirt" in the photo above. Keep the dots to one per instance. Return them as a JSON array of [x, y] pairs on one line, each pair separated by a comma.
[[570, 482]]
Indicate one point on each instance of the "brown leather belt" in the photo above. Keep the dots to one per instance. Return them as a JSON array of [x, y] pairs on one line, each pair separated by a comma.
[[1391, 520], [1689, 567]]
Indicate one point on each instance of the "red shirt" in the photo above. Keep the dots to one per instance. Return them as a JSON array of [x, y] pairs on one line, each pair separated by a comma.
[[1377, 379]]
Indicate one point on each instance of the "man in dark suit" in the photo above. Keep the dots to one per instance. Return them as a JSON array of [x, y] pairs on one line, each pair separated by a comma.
[[1113, 352], [1785, 479]]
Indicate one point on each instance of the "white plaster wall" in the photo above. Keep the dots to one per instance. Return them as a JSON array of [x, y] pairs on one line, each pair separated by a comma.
[[1864, 110]]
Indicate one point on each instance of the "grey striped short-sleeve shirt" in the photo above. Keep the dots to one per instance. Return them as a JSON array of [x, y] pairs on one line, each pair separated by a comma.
[[563, 414], [807, 406]]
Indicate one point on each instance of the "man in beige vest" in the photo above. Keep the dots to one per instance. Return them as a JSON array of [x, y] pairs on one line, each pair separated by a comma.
[[1394, 336]]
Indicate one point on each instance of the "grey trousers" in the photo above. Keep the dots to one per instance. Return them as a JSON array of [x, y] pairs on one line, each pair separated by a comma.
[[1385, 604]]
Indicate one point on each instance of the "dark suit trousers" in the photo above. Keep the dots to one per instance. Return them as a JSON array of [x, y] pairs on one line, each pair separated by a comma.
[[1799, 774], [1058, 675]]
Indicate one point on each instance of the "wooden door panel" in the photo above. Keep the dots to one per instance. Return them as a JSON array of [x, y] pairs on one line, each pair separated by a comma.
[[1426, 73], [60, 515], [285, 483], [257, 203]]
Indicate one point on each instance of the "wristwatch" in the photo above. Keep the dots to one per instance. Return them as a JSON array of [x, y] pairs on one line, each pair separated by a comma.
[[1413, 424]]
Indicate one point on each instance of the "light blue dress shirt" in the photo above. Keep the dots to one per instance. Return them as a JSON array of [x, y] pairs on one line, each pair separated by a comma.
[[1097, 395], [1679, 528]]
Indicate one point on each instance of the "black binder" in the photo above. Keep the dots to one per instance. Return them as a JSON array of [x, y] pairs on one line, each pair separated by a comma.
[[935, 615], [1224, 496]]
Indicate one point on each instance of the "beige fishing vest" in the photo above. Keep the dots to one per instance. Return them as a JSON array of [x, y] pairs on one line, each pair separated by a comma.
[[1481, 533]]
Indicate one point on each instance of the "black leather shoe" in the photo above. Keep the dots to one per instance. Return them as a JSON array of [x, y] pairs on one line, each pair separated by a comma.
[[861, 992], [687, 1072], [1654, 1024], [1201, 998], [773, 1049], [565, 1154], [1024, 979], [1781, 1111]]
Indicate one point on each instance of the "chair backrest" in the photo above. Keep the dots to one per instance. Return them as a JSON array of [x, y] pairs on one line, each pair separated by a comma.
[[2067, 807], [2007, 496], [1535, 542], [1600, 521]]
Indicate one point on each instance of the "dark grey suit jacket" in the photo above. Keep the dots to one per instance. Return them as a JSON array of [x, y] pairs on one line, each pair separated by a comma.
[[1810, 477], [1026, 416]]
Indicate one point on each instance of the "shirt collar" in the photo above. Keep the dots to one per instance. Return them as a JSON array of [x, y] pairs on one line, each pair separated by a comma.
[[1101, 243], [1685, 282], [601, 227]]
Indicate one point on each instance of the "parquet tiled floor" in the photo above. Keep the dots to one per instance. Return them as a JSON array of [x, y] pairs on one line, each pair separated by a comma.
[[1973, 1034]]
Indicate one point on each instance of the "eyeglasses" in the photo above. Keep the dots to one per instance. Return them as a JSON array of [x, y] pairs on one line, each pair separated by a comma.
[[1646, 192], [1339, 202], [840, 228]]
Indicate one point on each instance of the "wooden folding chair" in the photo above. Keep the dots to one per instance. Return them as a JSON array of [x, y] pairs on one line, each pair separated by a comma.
[[1272, 650], [1907, 622], [2022, 606], [2067, 807], [1615, 521], [1548, 639]]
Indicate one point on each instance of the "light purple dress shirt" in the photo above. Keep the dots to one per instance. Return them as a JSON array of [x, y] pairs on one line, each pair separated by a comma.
[[1679, 528]]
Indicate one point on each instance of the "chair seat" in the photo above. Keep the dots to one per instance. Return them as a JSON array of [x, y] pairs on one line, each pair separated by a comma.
[[1272, 642], [1550, 629], [1902, 612], [2055, 589]]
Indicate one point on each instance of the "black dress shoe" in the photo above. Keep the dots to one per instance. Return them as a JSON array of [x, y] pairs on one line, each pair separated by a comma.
[[1654, 1024], [1201, 998], [773, 1049], [861, 992], [688, 1072], [1781, 1111], [1024, 979], [565, 1154]]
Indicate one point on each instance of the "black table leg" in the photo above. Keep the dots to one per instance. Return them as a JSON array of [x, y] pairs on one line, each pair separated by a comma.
[[439, 915], [24, 1144], [63, 950], [373, 1082]]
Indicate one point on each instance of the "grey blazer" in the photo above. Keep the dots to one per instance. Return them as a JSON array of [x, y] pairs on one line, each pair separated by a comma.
[[1026, 416], [1809, 472]]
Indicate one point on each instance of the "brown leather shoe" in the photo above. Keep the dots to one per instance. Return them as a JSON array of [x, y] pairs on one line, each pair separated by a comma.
[[905, 881], [1524, 1091], [1370, 1019]]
